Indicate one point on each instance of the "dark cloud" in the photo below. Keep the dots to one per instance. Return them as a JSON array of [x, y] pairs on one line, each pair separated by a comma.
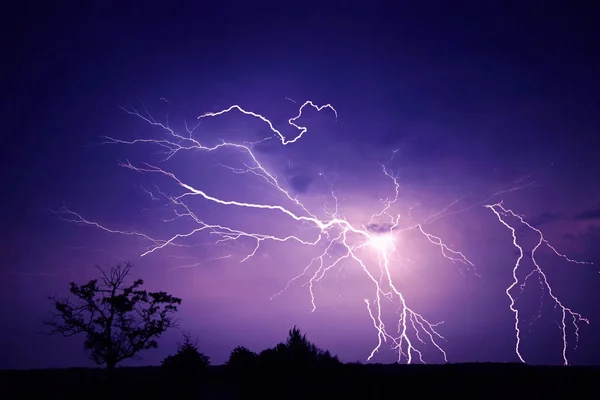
[[544, 218], [300, 183], [588, 215], [591, 238], [588, 241], [379, 227]]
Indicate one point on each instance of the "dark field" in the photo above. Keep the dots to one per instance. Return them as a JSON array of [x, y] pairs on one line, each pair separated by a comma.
[[345, 381]]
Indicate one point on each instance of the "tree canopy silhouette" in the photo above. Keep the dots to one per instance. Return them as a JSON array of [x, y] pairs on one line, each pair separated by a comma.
[[188, 359], [299, 348], [119, 320], [242, 361], [296, 352]]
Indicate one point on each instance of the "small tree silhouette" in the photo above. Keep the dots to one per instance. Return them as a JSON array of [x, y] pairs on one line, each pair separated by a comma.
[[269, 359], [326, 359], [188, 360], [300, 350], [119, 321], [297, 352], [242, 361]]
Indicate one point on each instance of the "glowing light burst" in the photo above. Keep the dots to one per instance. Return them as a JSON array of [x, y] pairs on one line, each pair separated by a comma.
[[383, 243], [413, 332]]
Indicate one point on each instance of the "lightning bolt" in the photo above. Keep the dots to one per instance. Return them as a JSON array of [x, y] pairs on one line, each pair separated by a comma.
[[503, 214], [412, 332]]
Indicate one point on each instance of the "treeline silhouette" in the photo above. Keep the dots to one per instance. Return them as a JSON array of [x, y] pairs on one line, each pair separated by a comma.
[[296, 355], [296, 368], [119, 320], [292, 363]]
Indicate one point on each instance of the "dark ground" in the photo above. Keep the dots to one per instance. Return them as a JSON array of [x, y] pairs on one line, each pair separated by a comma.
[[347, 381]]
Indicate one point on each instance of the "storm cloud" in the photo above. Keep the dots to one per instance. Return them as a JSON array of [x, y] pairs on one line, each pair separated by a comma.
[[588, 215], [379, 227]]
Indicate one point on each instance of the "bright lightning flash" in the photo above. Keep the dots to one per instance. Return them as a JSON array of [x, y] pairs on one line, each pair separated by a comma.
[[383, 243], [413, 332]]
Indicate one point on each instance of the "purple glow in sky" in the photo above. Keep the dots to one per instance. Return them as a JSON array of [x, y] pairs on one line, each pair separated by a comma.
[[444, 172], [363, 238]]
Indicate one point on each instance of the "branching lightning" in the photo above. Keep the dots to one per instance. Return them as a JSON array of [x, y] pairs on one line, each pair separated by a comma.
[[568, 316], [372, 247]]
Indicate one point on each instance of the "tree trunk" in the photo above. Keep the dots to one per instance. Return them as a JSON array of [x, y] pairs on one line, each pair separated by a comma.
[[109, 376]]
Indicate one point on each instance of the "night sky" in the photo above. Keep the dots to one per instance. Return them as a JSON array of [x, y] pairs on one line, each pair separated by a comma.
[[457, 103]]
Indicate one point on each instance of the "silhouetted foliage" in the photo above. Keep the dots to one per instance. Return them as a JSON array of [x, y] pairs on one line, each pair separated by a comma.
[[299, 349], [299, 369], [297, 352], [119, 320], [269, 359], [188, 360], [326, 359], [242, 361]]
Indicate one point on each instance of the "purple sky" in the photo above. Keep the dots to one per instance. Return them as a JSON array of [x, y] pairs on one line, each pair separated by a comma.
[[459, 107]]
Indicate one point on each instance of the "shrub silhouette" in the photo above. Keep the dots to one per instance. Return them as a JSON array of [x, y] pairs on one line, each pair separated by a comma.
[[326, 359], [119, 320], [242, 361], [296, 353], [269, 359], [188, 360]]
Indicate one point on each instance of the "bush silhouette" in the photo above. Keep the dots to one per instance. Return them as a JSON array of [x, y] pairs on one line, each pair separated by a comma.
[[268, 359], [300, 351], [296, 353], [188, 360], [327, 360], [242, 361]]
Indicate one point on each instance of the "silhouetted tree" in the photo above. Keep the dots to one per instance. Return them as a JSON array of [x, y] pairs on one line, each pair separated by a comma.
[[242, 361], [302, 352], [326, 359], [119, 320], [188, 360], [269, 359], [300, 349], [296, 352]]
